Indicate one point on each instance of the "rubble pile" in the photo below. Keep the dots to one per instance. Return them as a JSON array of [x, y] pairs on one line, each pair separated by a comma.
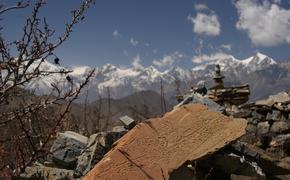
[[72, 155], [262, 152], [269, 124]]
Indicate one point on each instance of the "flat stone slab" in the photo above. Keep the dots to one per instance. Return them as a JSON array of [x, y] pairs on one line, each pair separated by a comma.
[[156, 147]]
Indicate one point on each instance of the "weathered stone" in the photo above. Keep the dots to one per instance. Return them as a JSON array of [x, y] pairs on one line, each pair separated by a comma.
[[119, 129], [128, 122], [251, 128], [263, 127], [235, 164], [252, 121], [242, 114], [66, 148], [265, 102], [281, 140], [245, 150], [281, 97], [258, 116], [92, 154], [279, 127], [46, 173], [274, 116], [195, 98], [154, 148], [98, 145], [271, 165], [279, 106]]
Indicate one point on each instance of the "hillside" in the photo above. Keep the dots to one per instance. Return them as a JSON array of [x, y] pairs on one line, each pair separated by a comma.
[[265, 76]]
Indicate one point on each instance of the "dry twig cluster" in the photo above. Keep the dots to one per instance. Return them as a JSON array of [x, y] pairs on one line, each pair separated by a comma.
[[28, 126]]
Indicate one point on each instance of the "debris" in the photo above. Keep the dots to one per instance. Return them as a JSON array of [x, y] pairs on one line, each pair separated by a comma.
[[153, 149]]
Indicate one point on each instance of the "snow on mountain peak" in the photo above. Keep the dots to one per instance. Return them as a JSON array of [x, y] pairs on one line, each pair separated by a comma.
[[261, 56], [229, 62], [80, 70], [123, 81]]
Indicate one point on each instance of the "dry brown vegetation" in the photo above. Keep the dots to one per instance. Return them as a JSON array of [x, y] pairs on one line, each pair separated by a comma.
[[28, 123]]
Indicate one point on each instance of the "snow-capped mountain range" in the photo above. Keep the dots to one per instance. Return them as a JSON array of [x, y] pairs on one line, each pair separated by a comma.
[[123, 81]]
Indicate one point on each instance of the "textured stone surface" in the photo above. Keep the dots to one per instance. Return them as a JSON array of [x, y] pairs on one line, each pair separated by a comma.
[[153, 149], [251, 129], [198, 98], [98, 145], [46, 173], [279, 127], [263, 127], [274, 116], [66, 148]]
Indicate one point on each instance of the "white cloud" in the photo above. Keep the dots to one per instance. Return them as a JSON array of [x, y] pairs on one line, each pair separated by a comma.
[[116, 34], [136, 64], [134, 42], [207, 24], [267, 24], [209, 58], [167, 60], [200, 7], [226, 46]]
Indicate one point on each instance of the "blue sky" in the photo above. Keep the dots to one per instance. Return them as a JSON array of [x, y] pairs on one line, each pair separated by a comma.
[[165, 32]]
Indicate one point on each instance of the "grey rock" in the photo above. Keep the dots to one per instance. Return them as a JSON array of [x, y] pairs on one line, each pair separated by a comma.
[[128, 122], [280, 140], [46, 173], [98, 145], [242, 114], [279, 127], [281, 97], [195, 98], [245, 150], [66, 148], [252, 121], [119, 129], [258, 116], [274, 116], [235, 164], [251, 128], [92, 154], [263, 127]]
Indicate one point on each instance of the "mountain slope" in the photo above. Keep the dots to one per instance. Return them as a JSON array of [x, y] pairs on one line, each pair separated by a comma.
[[260, 71]]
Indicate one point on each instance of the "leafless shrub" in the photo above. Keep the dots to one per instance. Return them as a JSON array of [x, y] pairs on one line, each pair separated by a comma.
[[29, 125]]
